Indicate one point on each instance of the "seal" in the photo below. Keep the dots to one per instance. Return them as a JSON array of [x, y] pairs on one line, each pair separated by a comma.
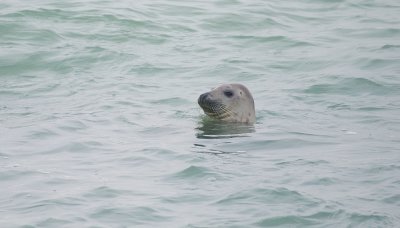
[[229, 102]]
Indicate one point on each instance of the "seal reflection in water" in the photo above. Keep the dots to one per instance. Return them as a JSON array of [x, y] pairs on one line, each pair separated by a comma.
[[214, 129], [229, 102]]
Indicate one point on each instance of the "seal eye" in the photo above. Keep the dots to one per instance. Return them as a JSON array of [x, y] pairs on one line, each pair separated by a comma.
[[228, 93]]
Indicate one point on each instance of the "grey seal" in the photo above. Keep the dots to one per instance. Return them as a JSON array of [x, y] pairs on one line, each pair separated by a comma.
[[229, 102]]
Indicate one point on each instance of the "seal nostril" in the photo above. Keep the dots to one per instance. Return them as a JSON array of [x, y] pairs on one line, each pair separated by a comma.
[[203, 97]]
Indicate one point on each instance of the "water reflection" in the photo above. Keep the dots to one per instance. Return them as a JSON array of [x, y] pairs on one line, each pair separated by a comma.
[[214, 129]]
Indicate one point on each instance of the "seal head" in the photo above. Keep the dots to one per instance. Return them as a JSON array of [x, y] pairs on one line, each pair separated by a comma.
[[229, 102]]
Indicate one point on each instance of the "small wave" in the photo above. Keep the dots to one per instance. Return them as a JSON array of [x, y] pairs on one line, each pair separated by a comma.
[[321, 181], [277, 41], [128, 216], [275, 144], [194, 172], [288, 220], [43, 133], [53, 222], [326, 218], [171, 101], [105, 192], [12, 174], [268, 196], [394, 199], [390, 46], [352, 86]]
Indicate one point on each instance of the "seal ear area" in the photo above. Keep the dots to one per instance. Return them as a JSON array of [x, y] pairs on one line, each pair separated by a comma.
[[244, 91]]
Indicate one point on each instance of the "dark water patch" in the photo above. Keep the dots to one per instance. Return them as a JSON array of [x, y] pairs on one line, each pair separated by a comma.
[[40, 90], [372, 109], [175, 101], [237, 61], [150, 70], [125, 120], [43, 134], [218, 24], [25, 35], [28, 63], [72, 125], [267, 115], [183, 114], [378, 63], [275, 144], [369, 33], [275, 41], [300, 65], [177, 9], [34, 36], [51, 204], [285, 221], [134, 12], [353, 86], [268, 196], [157, 152], [384, 168], [294, 17], [187, 198], [194, 172], [390, 46], [96, 17], [57, 182], [136, 161], [4, 6], [232, 22], [322, 218], [81, 60], [27, 226], [302, 162], [204, 149], [9, 93], [41, 13], [3, 155], [18, 173], [125, 37], [326, 215], [395, 199], [324, 181], [310, 134], [53, 222], [369, 220], [369, 5], [75, 147], [159, 131], [340, 106], [180, 28], [128, 215], [105, 192]]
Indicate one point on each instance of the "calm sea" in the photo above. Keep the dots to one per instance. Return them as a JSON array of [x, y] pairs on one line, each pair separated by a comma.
[[100, 127]]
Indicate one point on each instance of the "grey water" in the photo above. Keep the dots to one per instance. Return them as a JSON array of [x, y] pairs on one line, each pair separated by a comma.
[[100, 127]]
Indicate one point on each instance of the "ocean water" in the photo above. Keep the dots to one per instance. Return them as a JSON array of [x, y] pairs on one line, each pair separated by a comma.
[[100, 127]]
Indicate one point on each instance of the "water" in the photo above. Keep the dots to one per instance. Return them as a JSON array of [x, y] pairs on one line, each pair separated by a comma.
[[100, 126]]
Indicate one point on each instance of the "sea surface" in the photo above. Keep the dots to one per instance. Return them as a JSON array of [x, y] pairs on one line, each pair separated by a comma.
[[100, 126]]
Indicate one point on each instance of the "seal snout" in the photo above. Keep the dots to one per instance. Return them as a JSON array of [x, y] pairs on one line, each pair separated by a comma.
[[203, 98]]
